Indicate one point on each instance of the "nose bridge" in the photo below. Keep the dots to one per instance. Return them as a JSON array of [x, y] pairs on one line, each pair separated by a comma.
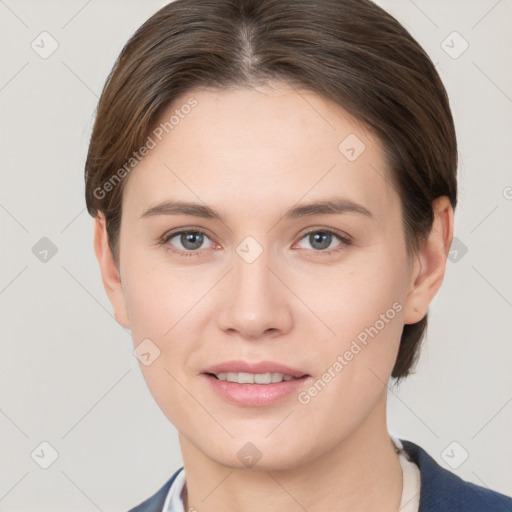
[[255, 301]]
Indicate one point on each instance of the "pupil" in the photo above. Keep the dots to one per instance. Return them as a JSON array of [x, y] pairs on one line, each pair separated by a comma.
[[195, 239], [323, 238]]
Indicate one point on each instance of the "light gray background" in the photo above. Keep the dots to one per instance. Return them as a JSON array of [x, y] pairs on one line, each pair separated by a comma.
[[67, 370]]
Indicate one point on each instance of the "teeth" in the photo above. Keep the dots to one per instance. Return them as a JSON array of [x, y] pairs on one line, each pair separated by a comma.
[[253, 378]]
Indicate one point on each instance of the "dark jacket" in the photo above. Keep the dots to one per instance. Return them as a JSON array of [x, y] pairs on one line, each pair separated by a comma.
[[441, 490]]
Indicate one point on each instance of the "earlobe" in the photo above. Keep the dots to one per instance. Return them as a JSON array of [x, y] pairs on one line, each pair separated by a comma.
[[430, 262], [109, 271]]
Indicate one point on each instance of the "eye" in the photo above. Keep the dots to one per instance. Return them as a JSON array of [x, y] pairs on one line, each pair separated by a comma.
[[187, 242], [320, 240]]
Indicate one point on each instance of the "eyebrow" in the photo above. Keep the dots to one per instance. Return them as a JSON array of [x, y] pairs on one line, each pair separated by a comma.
[[334, 206]]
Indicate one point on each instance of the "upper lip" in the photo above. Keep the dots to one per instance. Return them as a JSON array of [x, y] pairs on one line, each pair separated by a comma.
[[261, 367]]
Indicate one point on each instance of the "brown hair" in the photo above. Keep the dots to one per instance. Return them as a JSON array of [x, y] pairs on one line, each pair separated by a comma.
[[350, 51]]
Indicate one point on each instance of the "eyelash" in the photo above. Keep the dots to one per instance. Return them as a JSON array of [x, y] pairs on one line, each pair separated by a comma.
[[344, 239], [165, 240]]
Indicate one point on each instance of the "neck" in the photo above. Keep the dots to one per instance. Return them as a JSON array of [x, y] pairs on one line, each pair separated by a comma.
[[361, 473]]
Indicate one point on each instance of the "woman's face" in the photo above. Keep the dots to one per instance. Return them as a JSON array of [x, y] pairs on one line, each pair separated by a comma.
[[320, 290]]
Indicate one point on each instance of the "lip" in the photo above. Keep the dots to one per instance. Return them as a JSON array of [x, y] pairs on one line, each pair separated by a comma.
[[261, 367], [255, 395]]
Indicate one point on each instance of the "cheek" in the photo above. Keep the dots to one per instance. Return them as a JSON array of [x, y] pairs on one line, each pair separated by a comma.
[[355, 364], [356, 295], [364, 307], [157, 307], [157, 296], [148, 309]]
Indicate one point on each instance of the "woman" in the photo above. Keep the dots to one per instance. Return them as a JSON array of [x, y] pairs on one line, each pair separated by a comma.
[[273, 186]]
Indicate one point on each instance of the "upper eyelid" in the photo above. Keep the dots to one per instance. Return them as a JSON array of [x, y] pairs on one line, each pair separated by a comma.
[[333, 231], [179, 231]]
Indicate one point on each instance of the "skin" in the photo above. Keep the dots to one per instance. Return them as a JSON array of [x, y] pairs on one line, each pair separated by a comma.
[[252, 154]]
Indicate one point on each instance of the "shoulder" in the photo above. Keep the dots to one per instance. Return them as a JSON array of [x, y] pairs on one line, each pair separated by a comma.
[[442, 490], [156, 502]]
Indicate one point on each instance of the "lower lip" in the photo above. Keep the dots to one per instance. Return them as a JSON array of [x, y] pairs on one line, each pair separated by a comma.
[[255, 395]]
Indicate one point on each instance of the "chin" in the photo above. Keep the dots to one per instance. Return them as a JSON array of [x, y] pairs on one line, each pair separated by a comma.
[[270, 463], [258, 455]]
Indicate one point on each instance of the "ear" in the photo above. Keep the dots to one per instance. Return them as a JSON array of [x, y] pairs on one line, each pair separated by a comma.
[[109, 272], [430, 262]]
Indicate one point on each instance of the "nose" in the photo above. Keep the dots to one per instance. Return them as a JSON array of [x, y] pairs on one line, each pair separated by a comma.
[[255, 301]]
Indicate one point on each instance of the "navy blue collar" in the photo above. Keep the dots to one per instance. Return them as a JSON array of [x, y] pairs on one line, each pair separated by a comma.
[[442, 490]]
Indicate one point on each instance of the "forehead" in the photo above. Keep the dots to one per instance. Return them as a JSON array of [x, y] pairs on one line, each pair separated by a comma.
[[270, 145]]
